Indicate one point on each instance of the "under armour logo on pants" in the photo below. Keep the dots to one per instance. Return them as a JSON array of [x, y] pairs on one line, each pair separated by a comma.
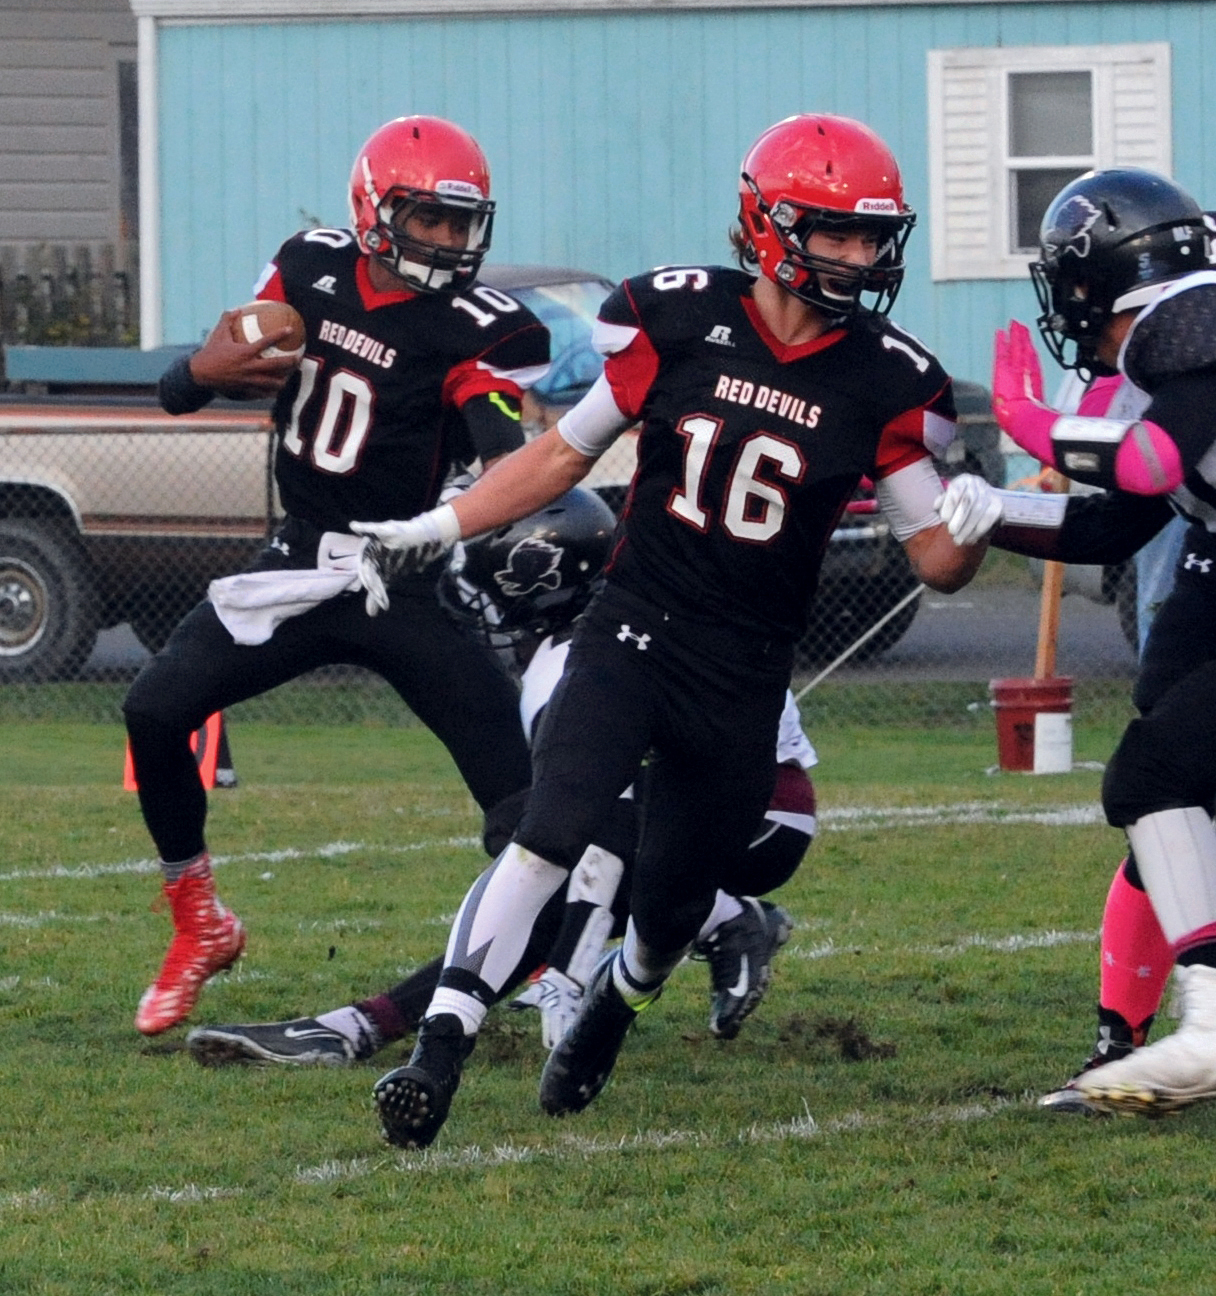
[[640, 639]]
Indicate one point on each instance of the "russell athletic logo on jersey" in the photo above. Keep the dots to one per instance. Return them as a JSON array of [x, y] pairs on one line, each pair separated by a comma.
[[358, 344], [741, 392]]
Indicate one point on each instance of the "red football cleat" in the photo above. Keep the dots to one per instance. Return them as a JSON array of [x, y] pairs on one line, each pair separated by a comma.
[[207, 938]]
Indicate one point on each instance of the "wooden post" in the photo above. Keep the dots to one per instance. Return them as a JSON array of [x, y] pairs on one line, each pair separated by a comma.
[[1049, 602]]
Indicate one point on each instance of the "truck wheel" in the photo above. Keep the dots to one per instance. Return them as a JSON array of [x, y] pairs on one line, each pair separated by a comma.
[[48, 605], [837, 625]]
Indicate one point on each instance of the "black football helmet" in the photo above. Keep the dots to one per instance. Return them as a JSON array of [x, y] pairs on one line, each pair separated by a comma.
[[1109, 241], [534, 576]]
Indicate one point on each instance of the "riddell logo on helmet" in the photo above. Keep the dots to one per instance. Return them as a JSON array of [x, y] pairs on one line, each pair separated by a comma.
[[457, 189], [878, 206]]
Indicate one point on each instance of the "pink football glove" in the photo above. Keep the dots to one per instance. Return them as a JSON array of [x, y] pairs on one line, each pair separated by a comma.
[[1017, 393]]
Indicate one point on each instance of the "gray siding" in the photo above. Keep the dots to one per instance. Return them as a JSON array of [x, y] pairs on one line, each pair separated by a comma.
[[59, 138]]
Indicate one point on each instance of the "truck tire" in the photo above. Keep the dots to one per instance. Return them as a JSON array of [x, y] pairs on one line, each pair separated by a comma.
[[48, 605]]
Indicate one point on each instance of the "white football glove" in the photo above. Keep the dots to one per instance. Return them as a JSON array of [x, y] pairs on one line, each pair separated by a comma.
[[969, 508], [403, 547], [559, 1000], [373, 574]]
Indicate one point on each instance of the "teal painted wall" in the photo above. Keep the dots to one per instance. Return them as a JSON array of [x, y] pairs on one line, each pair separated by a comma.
[[614, 140]]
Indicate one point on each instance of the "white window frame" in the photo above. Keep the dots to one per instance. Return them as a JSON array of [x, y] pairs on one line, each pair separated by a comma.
[[970, 204]]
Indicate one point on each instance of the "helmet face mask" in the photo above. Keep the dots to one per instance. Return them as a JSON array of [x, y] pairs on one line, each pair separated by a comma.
[[823, 174], [427, 168], [1110, 241], [533, 577]]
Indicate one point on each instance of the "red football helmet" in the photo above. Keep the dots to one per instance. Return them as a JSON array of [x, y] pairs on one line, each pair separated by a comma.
[[415, 162], [817, 171]]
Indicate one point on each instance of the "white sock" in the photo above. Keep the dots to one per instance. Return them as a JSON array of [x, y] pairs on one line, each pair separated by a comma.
[[638, 972], [470, 1011], [491, 930], [355, 1027], [594, 882], [725, 908]]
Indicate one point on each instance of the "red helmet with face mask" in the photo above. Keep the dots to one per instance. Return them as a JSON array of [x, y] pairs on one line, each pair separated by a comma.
[[814, 173], [408, 166]]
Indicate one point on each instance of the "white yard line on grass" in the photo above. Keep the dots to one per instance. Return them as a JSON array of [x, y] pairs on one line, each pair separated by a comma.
[[567, 1148], [1014, 944], [844, 819], [330, 850]]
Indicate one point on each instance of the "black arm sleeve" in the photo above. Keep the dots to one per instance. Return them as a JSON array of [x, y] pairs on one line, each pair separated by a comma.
[[494, 424], [1103, 528], [178, 392]]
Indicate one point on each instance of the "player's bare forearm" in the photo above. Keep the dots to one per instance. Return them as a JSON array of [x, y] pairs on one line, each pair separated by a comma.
[[942, 564], [517, 484]]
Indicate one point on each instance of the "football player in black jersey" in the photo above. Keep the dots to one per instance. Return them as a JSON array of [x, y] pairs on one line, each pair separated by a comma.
[[1123, 278], [764, 398], [522, 586], [409, 367]]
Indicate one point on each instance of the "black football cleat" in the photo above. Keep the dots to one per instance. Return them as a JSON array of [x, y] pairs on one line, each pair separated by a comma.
[[301, 1042], [414, 1100], [740, 956], [582, 1061]]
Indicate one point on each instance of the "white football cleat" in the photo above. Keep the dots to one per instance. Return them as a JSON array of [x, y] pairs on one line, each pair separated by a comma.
[[1174, 1072]]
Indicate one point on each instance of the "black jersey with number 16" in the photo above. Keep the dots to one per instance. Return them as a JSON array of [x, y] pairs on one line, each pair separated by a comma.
[[751, 449]]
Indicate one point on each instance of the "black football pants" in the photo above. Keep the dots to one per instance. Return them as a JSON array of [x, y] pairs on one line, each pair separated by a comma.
[[705, 701], [1166, 758], [448, 680]]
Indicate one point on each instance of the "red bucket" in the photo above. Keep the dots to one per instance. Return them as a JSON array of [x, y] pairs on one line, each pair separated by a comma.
[[1033, 724]]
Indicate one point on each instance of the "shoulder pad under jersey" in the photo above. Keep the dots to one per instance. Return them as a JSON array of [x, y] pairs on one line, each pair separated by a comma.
[[1174, 335]]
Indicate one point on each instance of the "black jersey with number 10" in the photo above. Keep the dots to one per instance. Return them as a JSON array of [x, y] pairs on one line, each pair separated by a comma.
[[750, 449], [372, 425]]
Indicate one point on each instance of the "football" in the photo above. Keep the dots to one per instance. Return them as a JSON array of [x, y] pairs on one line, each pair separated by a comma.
[[257, 319]]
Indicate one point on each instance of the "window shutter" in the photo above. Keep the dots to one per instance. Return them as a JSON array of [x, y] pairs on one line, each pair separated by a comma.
[[967, 157], [963, 212], [1140, 105]]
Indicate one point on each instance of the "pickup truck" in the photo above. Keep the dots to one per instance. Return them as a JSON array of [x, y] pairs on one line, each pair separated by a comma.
[[111, 510]]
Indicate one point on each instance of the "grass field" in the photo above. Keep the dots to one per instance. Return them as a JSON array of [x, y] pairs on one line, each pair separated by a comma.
[[873, 1128]]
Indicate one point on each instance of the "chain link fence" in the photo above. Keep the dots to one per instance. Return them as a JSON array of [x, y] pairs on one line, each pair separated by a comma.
[[114, 517], [92, 581]]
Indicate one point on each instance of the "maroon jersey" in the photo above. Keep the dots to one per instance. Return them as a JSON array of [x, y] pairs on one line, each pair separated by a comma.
[[750, 449], [373, 422]]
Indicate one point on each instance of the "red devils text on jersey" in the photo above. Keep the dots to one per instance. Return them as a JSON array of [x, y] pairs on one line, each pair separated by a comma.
[[372, 423], [750, 449]]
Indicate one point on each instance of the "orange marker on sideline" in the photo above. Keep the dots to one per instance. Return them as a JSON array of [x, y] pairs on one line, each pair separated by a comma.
[[204, 743]]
